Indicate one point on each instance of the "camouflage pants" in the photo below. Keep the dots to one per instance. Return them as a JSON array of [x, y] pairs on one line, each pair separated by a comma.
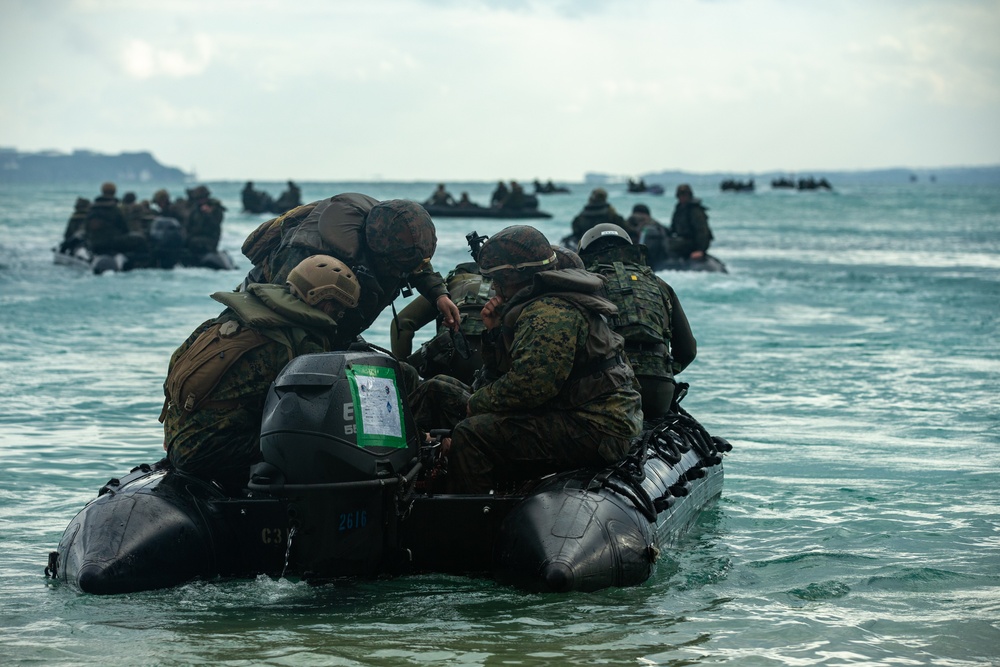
[[498, 447], [218, 445], [440, 402]]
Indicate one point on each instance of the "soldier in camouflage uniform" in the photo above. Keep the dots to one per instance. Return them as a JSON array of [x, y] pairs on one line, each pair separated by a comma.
[[219, 377], [388, 245], [566, 399], [440, 355], [649, 317]]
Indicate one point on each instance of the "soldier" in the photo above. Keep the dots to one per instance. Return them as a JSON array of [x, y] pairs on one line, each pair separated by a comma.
[[176, 209], [76, 225], [690, 234], [388, 245], [440, 197], [105, 227], [499, 196], [456, 353], [637, 221], [566, 399], [658, 338], [203, 227], [596, 211], [288, 199], [133, 213], [218, 378]]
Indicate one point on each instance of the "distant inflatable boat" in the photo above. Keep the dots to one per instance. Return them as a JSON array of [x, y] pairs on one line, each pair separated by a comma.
[[347, 490], [477, 211], [166, 251]]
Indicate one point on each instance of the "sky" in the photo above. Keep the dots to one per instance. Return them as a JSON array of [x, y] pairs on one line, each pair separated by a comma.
[[481, 90]]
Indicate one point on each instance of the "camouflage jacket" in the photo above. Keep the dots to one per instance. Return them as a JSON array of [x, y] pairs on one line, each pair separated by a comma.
[[563, 356]]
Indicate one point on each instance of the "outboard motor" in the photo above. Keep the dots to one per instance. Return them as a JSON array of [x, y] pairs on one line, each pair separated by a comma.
[[338, 440], [167, 241]]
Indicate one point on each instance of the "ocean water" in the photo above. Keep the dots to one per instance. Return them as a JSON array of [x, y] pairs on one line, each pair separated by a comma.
[[851, 356]]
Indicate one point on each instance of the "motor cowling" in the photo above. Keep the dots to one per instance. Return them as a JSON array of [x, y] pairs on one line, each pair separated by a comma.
[[338, 417], [338, 440]]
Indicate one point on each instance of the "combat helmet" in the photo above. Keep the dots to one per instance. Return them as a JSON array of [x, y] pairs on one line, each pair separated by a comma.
[[566, 258], [606, 232], [516, 253], [321, 277], [401, 232]]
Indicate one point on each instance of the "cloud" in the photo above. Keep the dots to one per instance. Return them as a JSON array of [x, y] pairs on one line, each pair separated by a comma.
[[141, 59]]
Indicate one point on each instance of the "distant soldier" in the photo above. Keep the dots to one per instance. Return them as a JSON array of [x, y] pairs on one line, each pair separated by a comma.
[[440, 197], [499, 195], [639, 220], [76, 226], [105, 227], [133, 213], [203, 227], [690, 234], [595, 212], [288, 200], [167, 208], [658, 338]]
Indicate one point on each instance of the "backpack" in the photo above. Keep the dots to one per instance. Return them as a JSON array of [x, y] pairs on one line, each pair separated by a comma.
[[196, 373], [643, 315]]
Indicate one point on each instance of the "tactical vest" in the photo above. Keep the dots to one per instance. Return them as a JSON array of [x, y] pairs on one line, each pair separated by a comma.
[[643, 314], [604, 369]]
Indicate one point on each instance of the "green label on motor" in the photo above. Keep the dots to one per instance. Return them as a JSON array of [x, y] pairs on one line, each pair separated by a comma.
[[378, 406]]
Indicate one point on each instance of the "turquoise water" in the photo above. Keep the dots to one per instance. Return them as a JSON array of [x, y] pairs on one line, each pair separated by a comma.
[[851, 356]]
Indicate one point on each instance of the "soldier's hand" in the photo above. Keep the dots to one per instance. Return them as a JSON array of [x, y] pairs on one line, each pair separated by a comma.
[[491, 312], [450, 312]]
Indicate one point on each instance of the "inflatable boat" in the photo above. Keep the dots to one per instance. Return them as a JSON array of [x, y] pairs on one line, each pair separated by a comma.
[[166, 251], [349, 489], [477, 211]]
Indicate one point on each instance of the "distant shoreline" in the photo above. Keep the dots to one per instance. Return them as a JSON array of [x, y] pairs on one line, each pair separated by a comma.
[[83, 166]]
